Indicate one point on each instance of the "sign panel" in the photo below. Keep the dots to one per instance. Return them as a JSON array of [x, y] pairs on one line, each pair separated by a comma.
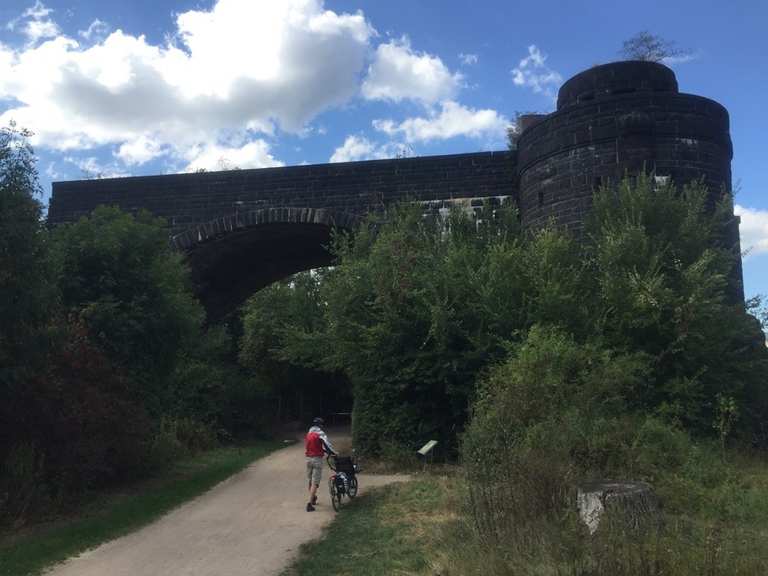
[[424, 450]]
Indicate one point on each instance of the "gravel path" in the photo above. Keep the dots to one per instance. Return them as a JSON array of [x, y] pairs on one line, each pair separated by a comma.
[[252, 523]]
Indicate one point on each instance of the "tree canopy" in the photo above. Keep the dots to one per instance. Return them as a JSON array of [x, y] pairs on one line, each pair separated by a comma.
[[416, 310], [650, 47], [26, 293], [118, 273]]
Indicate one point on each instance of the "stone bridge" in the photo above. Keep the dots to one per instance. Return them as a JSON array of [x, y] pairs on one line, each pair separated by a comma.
[[244, 229]]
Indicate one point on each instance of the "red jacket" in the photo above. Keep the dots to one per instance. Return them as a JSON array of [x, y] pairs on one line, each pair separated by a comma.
[[316, 443]]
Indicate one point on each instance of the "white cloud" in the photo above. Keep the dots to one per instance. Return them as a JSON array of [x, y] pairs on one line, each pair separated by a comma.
[[244, 66], [52, 172], [96, 30], [452, 120], [92, 168], [360, 148], [140, 150], [533, 72], [214, 157], [354, 148], [37, 12], [468, 59], [682, 58], [6, 63], [38, 29], [225, 77], [399, 73], [36, 24], [753, 229]]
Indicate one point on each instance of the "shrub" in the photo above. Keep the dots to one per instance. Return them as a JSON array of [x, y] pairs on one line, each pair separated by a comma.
[[88, 424], [401, 457], [21, 481], [414, 314], [194, 435], [76, 427], [660, 343], [176, 438], [537, 430], [664, 284], [659, 448], [165, 446]]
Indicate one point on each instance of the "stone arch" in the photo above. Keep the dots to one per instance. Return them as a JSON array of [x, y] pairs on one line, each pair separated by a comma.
[[235, 255]]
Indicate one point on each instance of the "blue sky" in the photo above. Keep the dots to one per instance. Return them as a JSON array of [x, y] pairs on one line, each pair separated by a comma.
[[131, 87]]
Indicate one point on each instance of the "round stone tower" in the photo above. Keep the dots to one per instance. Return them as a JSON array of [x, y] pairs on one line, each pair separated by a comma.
[[614, 119]]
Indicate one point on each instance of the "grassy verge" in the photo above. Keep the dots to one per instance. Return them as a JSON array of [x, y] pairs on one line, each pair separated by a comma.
[[117, 514], [390, 530], [424, 528]]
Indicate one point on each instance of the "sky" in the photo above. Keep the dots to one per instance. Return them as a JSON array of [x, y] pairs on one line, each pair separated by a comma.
[[134, 87]]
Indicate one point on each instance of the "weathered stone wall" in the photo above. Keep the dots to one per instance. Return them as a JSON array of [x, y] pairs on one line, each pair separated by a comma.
[[611, 120], [616, 119], [187, 201]]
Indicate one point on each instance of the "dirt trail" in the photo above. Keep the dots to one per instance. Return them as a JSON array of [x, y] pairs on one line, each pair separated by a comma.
[[253, 523]]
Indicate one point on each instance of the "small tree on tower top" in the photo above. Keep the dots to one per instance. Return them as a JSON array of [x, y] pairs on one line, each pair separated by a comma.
[[650, 47]]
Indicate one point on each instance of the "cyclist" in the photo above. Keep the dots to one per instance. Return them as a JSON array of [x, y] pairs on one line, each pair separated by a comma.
[[316, 445]]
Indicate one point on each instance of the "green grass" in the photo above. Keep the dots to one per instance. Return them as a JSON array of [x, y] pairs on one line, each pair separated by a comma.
[[117, 514], [383, 532], [422, 528]]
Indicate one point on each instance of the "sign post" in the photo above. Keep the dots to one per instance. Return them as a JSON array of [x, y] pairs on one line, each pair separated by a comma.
[[426, 451]]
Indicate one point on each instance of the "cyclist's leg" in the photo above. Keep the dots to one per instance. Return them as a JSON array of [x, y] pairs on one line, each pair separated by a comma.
[[314, 472]]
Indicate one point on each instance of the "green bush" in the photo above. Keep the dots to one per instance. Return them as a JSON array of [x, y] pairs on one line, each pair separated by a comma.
[[165, 446], [176, 438], [401, 458], [660, 339], [659, 449], [413, 315], [664, 286], [21, 481], [417, 309], [194, 435], [119, 275], [83, 418], [538, 428]]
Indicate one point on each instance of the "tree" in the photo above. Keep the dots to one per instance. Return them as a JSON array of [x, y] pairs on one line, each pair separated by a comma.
[[650, 48], [662, 271], [119, 274], [27, 295], [27, 300], [66, 419], [416, 307], [664, 359], [284, 348]]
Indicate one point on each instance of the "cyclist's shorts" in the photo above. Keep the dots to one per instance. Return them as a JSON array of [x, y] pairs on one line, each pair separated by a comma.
[[314, 469]]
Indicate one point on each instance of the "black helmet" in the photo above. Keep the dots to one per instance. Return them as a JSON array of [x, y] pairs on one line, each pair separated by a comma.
[[318, 421]]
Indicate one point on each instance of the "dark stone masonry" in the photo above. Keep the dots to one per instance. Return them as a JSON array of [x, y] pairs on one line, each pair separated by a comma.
[[615, 119], [243, 229]]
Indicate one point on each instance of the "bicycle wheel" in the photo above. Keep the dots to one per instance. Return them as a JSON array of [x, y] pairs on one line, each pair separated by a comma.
[[353, 487], [335, 494]]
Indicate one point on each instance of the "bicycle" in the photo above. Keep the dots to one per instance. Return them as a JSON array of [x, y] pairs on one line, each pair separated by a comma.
[[343, 482]]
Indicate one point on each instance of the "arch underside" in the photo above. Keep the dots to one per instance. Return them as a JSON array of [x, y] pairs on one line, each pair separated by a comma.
[[234, 256]]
